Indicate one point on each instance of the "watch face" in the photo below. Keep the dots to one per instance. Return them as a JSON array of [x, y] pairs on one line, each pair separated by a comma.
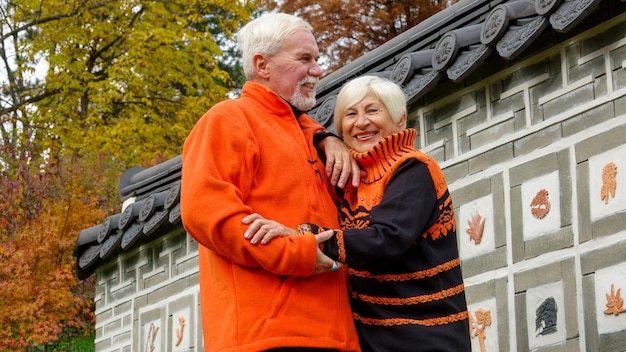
[[304, 228]]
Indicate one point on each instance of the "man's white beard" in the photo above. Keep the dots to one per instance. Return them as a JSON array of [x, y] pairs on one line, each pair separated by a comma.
[[301, 102]]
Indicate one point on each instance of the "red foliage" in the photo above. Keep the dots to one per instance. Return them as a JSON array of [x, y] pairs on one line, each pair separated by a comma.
[[41, 212]]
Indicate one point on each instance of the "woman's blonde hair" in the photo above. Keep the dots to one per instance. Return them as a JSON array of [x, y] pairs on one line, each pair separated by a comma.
[[388, 93]]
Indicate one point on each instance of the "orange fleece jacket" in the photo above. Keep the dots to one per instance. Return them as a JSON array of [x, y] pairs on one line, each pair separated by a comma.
[[253, 155]]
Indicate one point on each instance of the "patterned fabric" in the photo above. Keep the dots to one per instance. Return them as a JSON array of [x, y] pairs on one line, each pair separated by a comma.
[[398, 239]]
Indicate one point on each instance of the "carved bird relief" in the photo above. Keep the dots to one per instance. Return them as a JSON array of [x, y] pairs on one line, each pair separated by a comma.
[[540, 205], [475, 228], [609, 182]]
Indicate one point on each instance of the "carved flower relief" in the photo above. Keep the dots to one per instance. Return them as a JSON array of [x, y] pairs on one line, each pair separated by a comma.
[[478, 326], [540, 205], [609, 182], [180, 331], [614, 302], [151, 337], [475, 227]]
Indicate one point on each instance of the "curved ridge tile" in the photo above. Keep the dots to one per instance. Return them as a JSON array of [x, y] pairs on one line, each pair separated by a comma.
[[174, 216], [153, 202], [159, 218], [408, 64], [420, 84], [497, 22], [110, 245], [87, 261], [570, 13], [518, 38], [546, 7], [131, 235], [324, 113], [448, 46], [109, 226], [173, 195], [467, 61]]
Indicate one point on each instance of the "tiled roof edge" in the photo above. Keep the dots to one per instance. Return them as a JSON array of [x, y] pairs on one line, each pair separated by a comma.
[[449, 45]]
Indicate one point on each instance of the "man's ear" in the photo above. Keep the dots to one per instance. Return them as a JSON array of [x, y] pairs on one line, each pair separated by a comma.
[[261, 65]]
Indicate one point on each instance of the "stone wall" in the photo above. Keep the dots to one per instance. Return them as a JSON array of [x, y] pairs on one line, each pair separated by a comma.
[[148, 299], [535, 156]]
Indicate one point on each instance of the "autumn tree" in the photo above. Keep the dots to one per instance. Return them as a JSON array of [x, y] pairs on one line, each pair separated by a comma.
[[41, 298], [127, 77], [346, 29], [89, 88]]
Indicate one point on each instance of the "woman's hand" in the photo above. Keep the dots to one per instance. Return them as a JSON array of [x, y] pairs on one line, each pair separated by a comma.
[[324, 263], [262, 230]]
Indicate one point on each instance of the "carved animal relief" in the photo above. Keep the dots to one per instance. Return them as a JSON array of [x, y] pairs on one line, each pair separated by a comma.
[[609, 182], [475, 228], [545, 318], [540, 205], [614, 302], [478, 326], [180, 330]]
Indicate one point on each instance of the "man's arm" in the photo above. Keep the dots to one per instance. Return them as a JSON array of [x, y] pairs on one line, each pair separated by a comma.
[[262, 231], [340, 164], [217, 177]]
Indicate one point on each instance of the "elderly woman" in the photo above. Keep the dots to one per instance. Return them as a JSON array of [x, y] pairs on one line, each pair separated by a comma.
[[398, 230]]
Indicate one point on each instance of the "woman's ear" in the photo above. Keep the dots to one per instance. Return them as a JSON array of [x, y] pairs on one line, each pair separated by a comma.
[[261, 65], [402, 123]]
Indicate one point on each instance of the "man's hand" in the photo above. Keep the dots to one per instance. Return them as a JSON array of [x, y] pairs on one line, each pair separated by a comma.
[[339, 162], [263, 230]]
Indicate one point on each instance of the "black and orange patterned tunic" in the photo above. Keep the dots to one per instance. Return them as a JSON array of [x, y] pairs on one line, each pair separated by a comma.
[[398, 239]]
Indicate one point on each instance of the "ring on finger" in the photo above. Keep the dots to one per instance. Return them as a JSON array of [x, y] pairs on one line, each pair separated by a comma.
[[337, 161]]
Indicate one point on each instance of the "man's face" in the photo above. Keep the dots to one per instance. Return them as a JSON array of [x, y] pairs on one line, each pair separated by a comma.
[[294, 71]]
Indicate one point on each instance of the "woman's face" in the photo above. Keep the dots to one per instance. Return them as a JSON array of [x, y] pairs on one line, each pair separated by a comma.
[[367, 122]]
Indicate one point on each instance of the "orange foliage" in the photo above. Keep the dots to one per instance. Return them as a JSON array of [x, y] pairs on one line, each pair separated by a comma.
[[345, 30], [41, 212]]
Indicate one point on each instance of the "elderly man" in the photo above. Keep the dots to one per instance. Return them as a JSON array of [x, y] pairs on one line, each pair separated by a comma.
[[259, 155]]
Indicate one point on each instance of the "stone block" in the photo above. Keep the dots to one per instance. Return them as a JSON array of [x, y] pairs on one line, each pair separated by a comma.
[[492, 134], [587, 119], [568, 101], [490, 158], [537, 140], [456, 171], [550, 282], [600, 142]]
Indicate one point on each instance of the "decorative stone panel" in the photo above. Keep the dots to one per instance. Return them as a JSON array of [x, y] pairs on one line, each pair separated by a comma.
[[489, 296], [148, 299], [546, 306], [484, 326], [598, 165], [480, 225], [602, 268], [540, 218]]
